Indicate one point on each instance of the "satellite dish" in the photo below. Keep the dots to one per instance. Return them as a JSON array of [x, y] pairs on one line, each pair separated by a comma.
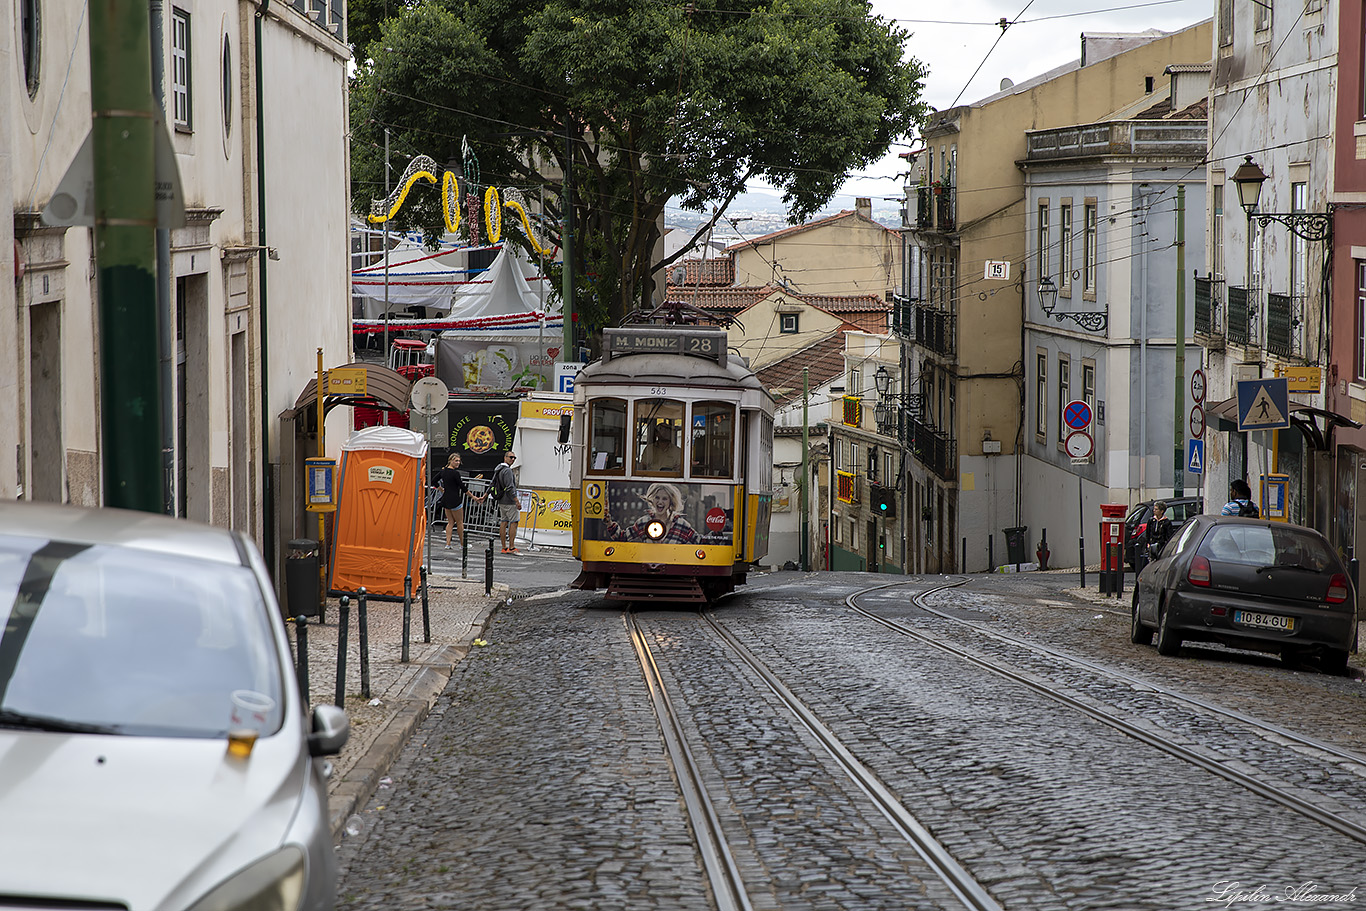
[[1007, 83], [679, 275]]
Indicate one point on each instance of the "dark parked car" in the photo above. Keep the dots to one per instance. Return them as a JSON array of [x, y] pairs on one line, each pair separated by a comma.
[[1251, 584], [1179, 509]]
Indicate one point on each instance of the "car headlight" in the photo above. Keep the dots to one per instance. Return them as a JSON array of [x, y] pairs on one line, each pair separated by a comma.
[[274, 883], [655, 530]]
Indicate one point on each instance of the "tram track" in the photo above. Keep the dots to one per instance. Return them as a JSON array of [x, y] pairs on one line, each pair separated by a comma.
[[1031, 681], [718, 857]]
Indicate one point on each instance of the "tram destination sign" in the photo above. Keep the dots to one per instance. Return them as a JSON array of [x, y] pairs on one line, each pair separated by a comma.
[[704, 343]]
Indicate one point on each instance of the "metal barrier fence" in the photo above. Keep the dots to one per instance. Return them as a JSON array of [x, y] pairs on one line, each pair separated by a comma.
[[481, 516]]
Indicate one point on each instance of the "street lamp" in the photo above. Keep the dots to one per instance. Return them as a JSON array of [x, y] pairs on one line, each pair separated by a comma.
[[1249, 178], [882, 381], [1090, 320]]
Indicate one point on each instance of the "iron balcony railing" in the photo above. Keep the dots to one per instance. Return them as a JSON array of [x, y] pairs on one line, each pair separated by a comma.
[[924, 207], [1282, 323], [933, 448], [935, 330], [1242, 318], [1209, 308], [936, 207]]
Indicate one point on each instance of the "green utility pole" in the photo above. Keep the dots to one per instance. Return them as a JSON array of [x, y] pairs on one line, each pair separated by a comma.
[[567, 245], [806, 470], [1179, 462], [123, 137]]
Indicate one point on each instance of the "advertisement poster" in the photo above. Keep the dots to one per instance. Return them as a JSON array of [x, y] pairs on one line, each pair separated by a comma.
[[481, 431], [488, 365], [688, 513]]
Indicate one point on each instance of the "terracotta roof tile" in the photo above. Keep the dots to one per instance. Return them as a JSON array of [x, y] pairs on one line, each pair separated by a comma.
[[824, 361]]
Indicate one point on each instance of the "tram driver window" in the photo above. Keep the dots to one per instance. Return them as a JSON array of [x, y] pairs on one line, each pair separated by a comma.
[[713, 439], [659, 437], [607, 445]]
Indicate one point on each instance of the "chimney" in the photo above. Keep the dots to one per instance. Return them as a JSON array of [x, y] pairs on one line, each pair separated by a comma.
[[863, 205]]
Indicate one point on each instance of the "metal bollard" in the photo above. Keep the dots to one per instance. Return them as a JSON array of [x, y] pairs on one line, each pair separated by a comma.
[[426, 611], [407, 614], [488, 569], [343, 629], [1081, 553], [991, 553], [464, 559], [1118, 563], [963, 567], [363, 631], [301, 637]]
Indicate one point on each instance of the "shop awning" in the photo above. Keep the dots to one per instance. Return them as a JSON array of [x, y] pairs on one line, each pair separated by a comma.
[[1316, 424]]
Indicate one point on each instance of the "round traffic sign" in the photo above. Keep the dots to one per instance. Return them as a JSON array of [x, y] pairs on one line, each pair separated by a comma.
[[1197, 422], [429, 395], [1079, 444], [1198, 386], [1077, 415]]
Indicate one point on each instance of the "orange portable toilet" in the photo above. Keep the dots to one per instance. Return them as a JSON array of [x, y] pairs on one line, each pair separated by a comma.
[[381, 521]]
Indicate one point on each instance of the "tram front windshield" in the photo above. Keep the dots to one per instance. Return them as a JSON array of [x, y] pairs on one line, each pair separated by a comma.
[[713, 439], [658, 437]]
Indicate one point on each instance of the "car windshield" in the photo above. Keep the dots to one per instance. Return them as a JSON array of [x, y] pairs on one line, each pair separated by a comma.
[[1269, 547], [131, 642]]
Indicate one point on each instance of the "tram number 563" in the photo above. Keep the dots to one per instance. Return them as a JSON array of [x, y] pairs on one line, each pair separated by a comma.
[[659, 390]]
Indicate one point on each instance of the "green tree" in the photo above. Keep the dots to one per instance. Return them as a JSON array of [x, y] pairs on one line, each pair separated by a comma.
[[651, 103]]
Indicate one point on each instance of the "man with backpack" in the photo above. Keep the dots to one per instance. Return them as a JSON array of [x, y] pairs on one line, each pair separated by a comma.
[[1240, 501], [503, 490]]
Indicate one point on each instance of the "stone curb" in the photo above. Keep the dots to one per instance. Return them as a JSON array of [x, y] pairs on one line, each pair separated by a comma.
[[425, 684]]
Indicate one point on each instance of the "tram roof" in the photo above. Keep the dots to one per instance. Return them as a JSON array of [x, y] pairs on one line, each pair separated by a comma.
[[665, 369]]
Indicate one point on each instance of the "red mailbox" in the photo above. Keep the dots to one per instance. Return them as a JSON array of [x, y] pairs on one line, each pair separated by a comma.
[[1112, 536]]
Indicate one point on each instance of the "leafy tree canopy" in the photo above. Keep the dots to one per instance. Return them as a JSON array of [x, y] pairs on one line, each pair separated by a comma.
[[654, 102]]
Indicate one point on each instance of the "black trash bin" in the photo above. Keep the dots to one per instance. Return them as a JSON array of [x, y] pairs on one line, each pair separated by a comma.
[[1017, 544], [302, 596]]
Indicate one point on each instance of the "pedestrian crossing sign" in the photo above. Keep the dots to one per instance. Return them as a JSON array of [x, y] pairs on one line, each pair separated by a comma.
[[1195, 456], [1263, 404]]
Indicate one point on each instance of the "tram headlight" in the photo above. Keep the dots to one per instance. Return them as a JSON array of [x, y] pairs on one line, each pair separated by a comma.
[[655, 530]]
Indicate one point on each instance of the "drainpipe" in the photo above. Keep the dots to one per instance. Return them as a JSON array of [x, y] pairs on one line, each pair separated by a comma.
[[1143, 347], [267, 481], [165, 319]]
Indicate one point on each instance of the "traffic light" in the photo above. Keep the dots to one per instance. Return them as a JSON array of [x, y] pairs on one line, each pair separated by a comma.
[[884, 501]]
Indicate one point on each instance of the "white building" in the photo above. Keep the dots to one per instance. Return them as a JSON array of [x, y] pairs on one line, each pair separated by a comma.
[[1108, 202], [257, 116]]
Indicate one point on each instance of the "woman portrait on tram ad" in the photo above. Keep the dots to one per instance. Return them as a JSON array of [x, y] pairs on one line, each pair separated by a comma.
[[663, 522]]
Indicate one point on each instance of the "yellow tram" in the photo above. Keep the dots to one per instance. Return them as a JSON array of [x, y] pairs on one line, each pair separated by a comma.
[[672, 469]]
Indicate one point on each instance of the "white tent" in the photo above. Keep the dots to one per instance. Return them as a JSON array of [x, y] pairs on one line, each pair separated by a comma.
[[443, 283]]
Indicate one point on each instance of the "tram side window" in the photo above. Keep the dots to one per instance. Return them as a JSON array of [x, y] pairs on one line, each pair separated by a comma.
[[659, 437], [607, 446], [713, 439]]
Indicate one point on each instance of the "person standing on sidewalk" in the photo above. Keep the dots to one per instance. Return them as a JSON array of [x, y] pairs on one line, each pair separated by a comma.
[[453, 490], [1159, 530], [504, 491]]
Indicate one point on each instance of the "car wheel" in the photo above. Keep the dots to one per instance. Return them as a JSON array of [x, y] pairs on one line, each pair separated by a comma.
[[1138, 633], [1168, 642], [1334, 661]]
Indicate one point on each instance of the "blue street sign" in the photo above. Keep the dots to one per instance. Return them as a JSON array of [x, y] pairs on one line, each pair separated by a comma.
[[1077, 415], [1195, 456], [1263, 404]]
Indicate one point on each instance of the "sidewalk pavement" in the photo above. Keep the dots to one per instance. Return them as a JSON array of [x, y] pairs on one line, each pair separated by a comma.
[[401, 694]]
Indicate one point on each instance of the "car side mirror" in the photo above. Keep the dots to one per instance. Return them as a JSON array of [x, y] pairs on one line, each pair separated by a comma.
[[331, 728], [564, 428]]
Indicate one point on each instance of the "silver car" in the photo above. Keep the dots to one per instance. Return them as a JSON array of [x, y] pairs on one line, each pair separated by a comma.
[[155, 750]]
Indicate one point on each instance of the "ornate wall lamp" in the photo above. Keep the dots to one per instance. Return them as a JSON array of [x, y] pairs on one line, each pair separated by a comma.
[[1315, 226], [1091, 321]]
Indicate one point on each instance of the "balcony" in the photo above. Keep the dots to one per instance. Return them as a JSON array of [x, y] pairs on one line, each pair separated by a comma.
[[933, 448], [847, 487], [936, 206], [1209, 305], [1282, 323], [1242, 316], [852, 411], [934, 329]]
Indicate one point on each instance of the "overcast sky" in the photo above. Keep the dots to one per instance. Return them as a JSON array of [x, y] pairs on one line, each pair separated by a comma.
[[954, 38]]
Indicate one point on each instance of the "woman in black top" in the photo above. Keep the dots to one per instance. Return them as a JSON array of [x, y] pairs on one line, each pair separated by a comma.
[[452, 484]]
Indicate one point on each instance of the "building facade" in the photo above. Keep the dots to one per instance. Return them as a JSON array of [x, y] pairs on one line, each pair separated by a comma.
[[251, 287], [969, 284]]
